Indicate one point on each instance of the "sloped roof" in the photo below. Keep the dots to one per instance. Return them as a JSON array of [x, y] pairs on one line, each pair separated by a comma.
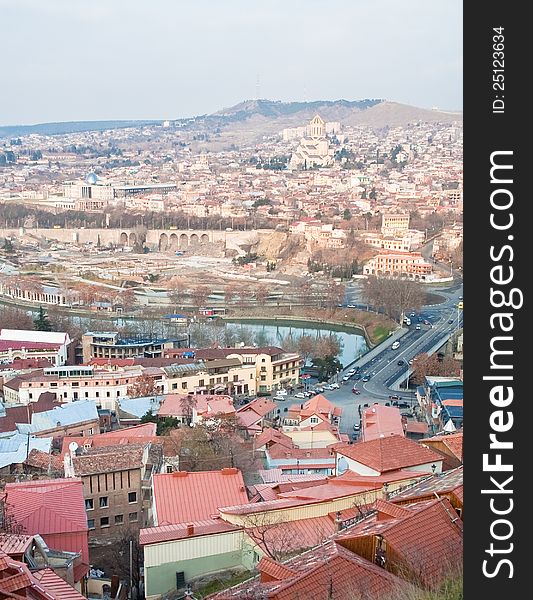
[[182, 496], [81, 411], [14, 543], [440, 484], [108, 459], [47, 506], [380, 421], [453, 441], [167, 533], [273, 435], [389, 453], [54, 584]]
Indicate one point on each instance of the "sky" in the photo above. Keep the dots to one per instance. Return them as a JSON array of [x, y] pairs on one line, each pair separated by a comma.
[[67, 60]]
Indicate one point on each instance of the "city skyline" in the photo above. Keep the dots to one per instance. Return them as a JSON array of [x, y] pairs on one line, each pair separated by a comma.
[[97, 61]]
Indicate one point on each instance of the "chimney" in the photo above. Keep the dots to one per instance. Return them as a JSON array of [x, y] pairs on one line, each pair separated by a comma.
[[190, 530], [338, 521]]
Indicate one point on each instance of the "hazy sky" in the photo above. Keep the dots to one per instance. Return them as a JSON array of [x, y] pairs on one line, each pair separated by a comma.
[[140, 59]]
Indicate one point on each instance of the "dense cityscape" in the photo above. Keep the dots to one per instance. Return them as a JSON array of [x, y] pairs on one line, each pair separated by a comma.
[[231, 354]]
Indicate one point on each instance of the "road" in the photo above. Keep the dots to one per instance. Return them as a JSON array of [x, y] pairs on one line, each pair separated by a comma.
[[381, 363]]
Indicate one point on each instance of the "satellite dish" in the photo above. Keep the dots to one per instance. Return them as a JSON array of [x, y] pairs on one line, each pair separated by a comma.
[[73, 446]]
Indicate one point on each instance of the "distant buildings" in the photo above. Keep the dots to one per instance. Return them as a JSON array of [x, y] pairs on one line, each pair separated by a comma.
[[35, 345], [314, 149]]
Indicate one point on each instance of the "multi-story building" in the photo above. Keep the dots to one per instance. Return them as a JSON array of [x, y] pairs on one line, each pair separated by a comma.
[[274, 368], [216, 376], [411, 265], [21, 344], [71, 384], [117, 482], [111, 345], [394, 223]]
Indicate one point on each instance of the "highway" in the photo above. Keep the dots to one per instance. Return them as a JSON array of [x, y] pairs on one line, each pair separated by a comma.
[[381, 363]]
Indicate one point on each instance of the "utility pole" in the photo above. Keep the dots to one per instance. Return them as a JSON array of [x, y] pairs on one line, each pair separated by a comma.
[[131, 570]]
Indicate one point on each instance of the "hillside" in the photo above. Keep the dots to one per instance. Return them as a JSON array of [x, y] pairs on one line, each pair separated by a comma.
[[62, 128]]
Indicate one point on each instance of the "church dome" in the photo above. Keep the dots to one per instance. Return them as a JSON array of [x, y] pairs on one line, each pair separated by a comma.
[[91, 179]]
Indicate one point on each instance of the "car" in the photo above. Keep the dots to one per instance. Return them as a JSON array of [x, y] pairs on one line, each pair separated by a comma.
[[354, 436], [351, 372], [299, 395], [357, 376], [356, 427], [279, 398], [387, 403], [418, 327], [351, 306], [312, 392], [307, 394], [394, 396], [426, 322], [406, 414], [412, 315], [346, 378], [329, 388], [319, 390], [460, 297], [411, 361], [450, 322], [403, 405], [335, 386], [400, 363], [282, 392], [365, 378], [356, 391]]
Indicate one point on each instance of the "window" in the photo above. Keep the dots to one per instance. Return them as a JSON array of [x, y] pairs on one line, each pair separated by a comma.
[[89, 504], [183, 385], [90, 523], [314, 419], [263, 377], [170, 469], [104, 502], [201, 383], [119, 519], [30, 395], [174, 386], [133, 517], [132, 497], [104, 522], [235, 378]]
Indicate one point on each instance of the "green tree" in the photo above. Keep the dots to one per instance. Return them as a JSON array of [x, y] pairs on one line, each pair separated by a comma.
[[41, 321], [327, 367], [346, 215]]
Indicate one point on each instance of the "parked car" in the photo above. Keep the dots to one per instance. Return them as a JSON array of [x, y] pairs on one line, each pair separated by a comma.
[[299, 395], [329, 388], [418, 327], [400, 363], [346, 378], [356, 427], [356, 391], [351, 372], [282, 392], [280, 398], [394, 396], [319, 390], [335, 386], [366, 378]]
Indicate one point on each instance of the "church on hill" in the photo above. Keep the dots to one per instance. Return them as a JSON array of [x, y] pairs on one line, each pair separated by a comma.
[[314, 149]]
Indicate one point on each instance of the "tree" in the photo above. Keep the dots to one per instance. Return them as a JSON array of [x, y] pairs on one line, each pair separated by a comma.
[[8, 245], [327, 367], [393, 296], [41, 321], [13, 318], [187, 405], [305, 347], [346, 215], [176, 288], [127, 298], [142, 387], [120, 559], [199, 296], [430, 364]]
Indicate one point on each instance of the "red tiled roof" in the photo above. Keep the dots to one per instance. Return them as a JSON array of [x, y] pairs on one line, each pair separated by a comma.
[[389, 453], [14, 543], [453, 441], [172, 405], [16, 581], [429, 539], [6, 345], [273, 435], [277, 451], [53, 583], [182, 497], [44, 461]]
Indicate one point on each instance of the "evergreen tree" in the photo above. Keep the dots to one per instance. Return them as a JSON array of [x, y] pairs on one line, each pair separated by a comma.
[[41, 321]]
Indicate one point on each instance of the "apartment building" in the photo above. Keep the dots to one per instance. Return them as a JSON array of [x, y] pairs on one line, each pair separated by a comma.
[[71, 384], [22, 344], [394, 223], [112, 345], [274, 368], [393, 264], [117, 481]]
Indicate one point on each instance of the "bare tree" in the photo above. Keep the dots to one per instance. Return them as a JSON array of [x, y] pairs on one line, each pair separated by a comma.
[[142, 387]]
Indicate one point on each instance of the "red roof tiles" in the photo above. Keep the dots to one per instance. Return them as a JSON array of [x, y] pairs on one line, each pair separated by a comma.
[[389, 453]]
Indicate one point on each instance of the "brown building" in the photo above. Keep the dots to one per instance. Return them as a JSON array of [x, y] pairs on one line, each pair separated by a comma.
[[117, 483]]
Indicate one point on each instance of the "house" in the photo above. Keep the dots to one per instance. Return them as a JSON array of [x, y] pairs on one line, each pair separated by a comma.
[[116, 485], [379, 421], [386, 454], [53, 346], [15, 449], [312, 412], [181, 497], [12, 415], [77, 418], [54, 509], [252, 416], [270, 436], [17, 581], [450, 446], [421, 542], [300, 460], [328, 571], [448, 485]]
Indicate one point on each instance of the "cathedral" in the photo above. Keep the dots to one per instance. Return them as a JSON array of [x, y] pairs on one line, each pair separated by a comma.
[[314, 149]]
